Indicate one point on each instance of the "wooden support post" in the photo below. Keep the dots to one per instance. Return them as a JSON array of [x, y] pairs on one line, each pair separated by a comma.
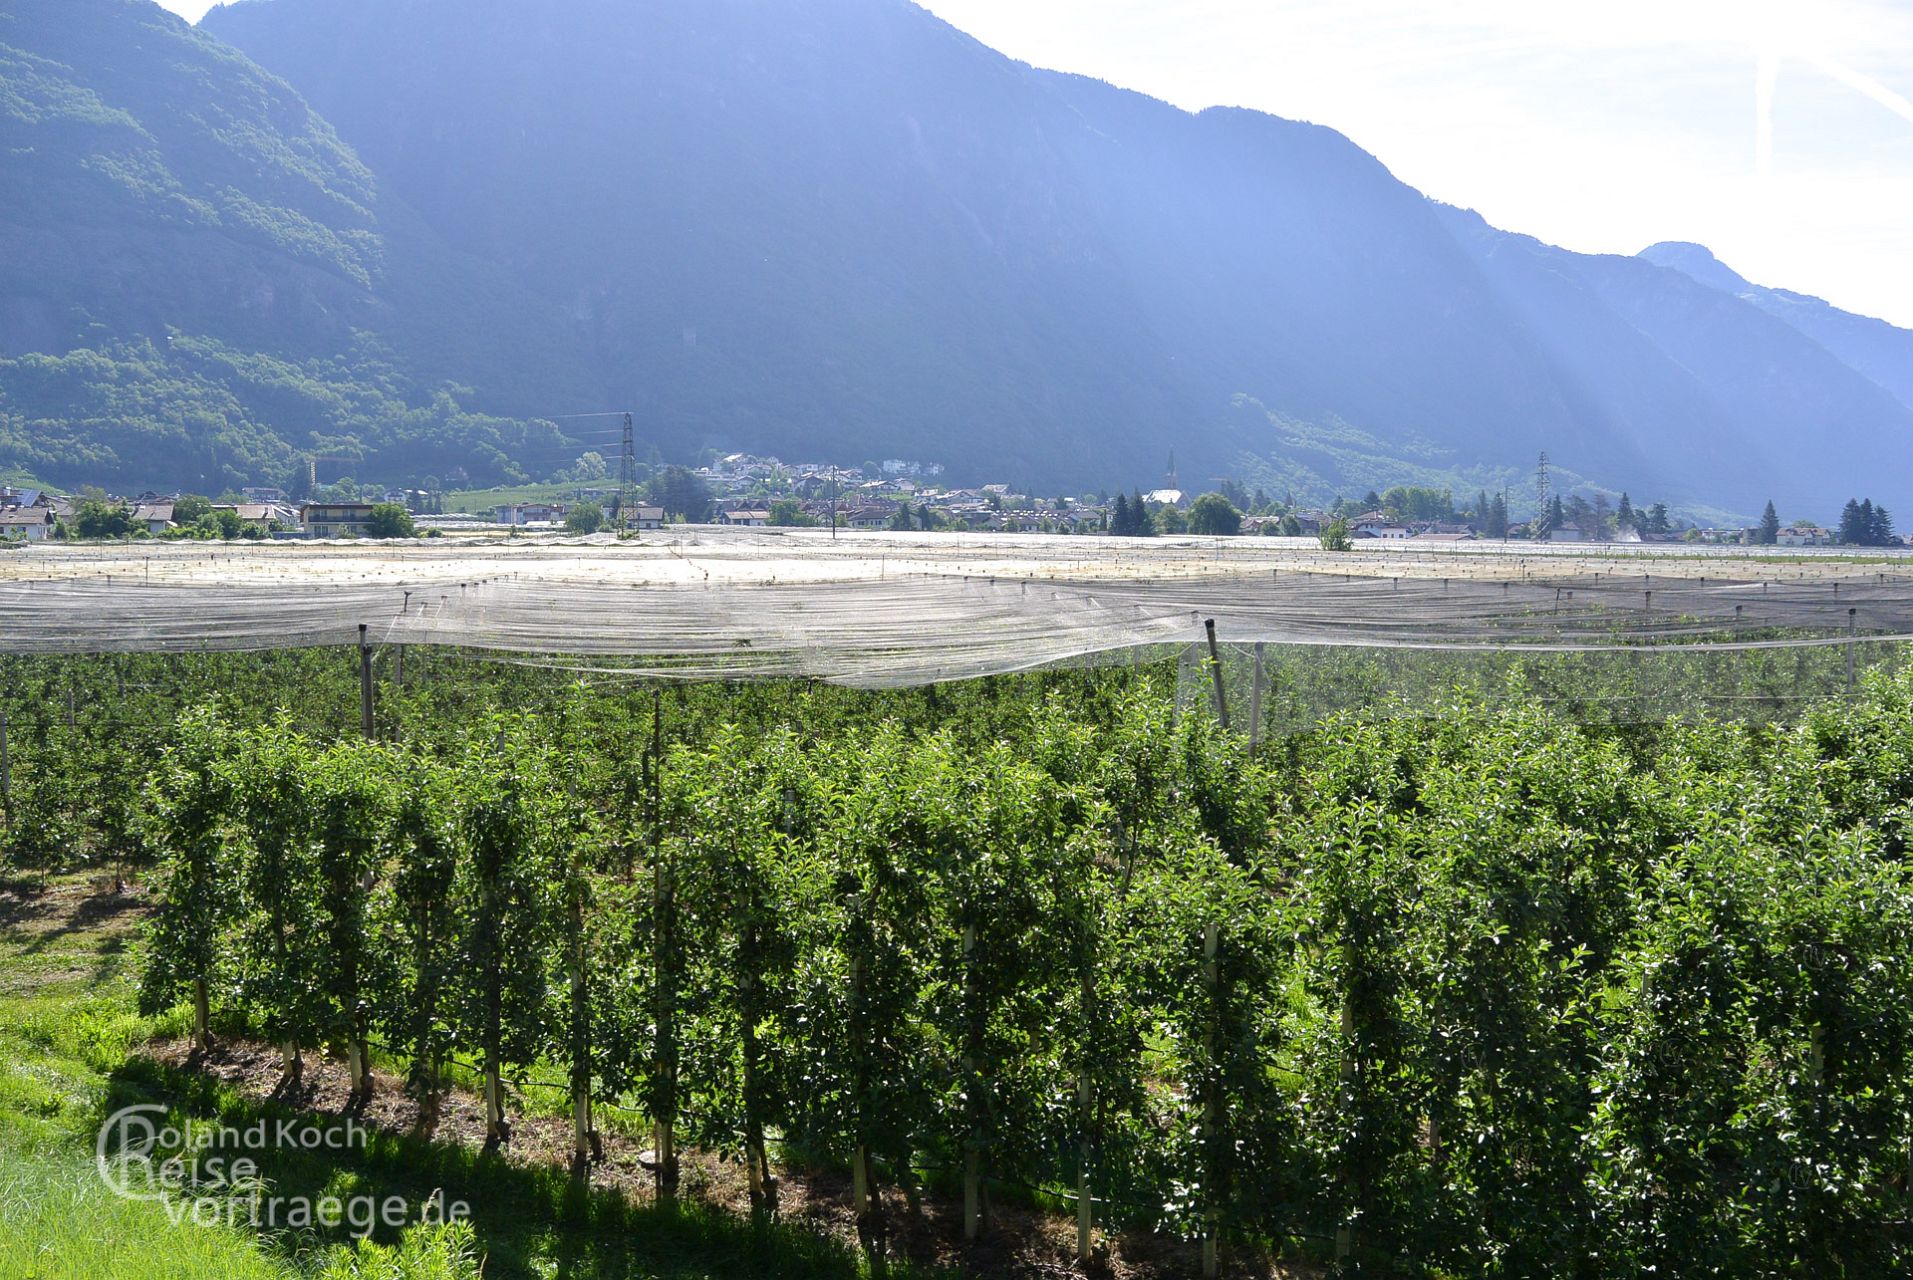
[[494, 1101], [1211, 1108], [6, 765], [1215, 670], [1085, 1070], [973, 1142], [664, 890], [1853, 624], [581, 1128], [1344, 1236], [763, 1188], [860, 1159], [1255, 701], [366, 725], [863, 1197], [666, 1115], [860, 1182], [1085, 1148]]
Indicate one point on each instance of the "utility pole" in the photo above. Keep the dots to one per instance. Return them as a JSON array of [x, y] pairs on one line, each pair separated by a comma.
[[627, 475], [1543, 491]]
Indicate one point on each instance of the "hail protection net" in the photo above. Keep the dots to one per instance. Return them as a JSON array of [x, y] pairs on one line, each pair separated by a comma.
[[1619, 634], [1269, 690]]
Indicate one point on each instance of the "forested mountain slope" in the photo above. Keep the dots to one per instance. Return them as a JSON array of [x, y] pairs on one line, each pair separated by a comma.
[[820, 228], [197, 277]]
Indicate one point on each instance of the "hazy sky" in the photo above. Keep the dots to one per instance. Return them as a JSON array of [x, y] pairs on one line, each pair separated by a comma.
[[1777, 132]]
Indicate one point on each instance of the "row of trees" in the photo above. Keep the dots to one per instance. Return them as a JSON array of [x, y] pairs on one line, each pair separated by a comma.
[[1595, 518], [1863, 524], [1486, 994], [97, 518]]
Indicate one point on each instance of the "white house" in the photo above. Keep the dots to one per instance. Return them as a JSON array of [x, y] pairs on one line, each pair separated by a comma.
[[156, 516], [521, 514], [31, 523]]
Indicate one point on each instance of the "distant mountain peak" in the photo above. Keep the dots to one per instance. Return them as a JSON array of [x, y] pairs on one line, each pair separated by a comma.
[[1874, 348], [1698, 262]]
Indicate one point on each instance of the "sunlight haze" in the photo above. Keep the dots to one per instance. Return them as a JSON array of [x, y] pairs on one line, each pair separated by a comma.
[[1603, 127]]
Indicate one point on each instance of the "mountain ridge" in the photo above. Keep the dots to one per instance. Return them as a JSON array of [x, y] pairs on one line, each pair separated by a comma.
[[844, 229], [1875, 348]]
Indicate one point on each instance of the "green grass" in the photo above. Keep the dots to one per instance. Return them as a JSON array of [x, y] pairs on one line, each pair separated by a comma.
[[62, 1221], [67, 1023], [485, 501], [69, 1056], [66, 1016]]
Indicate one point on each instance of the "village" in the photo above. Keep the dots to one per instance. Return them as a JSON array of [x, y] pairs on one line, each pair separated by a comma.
[[745, 490]]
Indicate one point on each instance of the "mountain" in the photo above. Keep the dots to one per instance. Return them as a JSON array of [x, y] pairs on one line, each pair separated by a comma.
[[1874, 348], [1723, 395], [197, 277], [838, 229], [841, 226]]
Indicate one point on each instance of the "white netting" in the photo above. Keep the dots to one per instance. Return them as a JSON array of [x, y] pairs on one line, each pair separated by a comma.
[[900, 610], [1270, 690]]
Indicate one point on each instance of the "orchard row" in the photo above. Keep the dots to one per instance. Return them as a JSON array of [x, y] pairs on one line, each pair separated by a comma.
[[1483, 994]]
